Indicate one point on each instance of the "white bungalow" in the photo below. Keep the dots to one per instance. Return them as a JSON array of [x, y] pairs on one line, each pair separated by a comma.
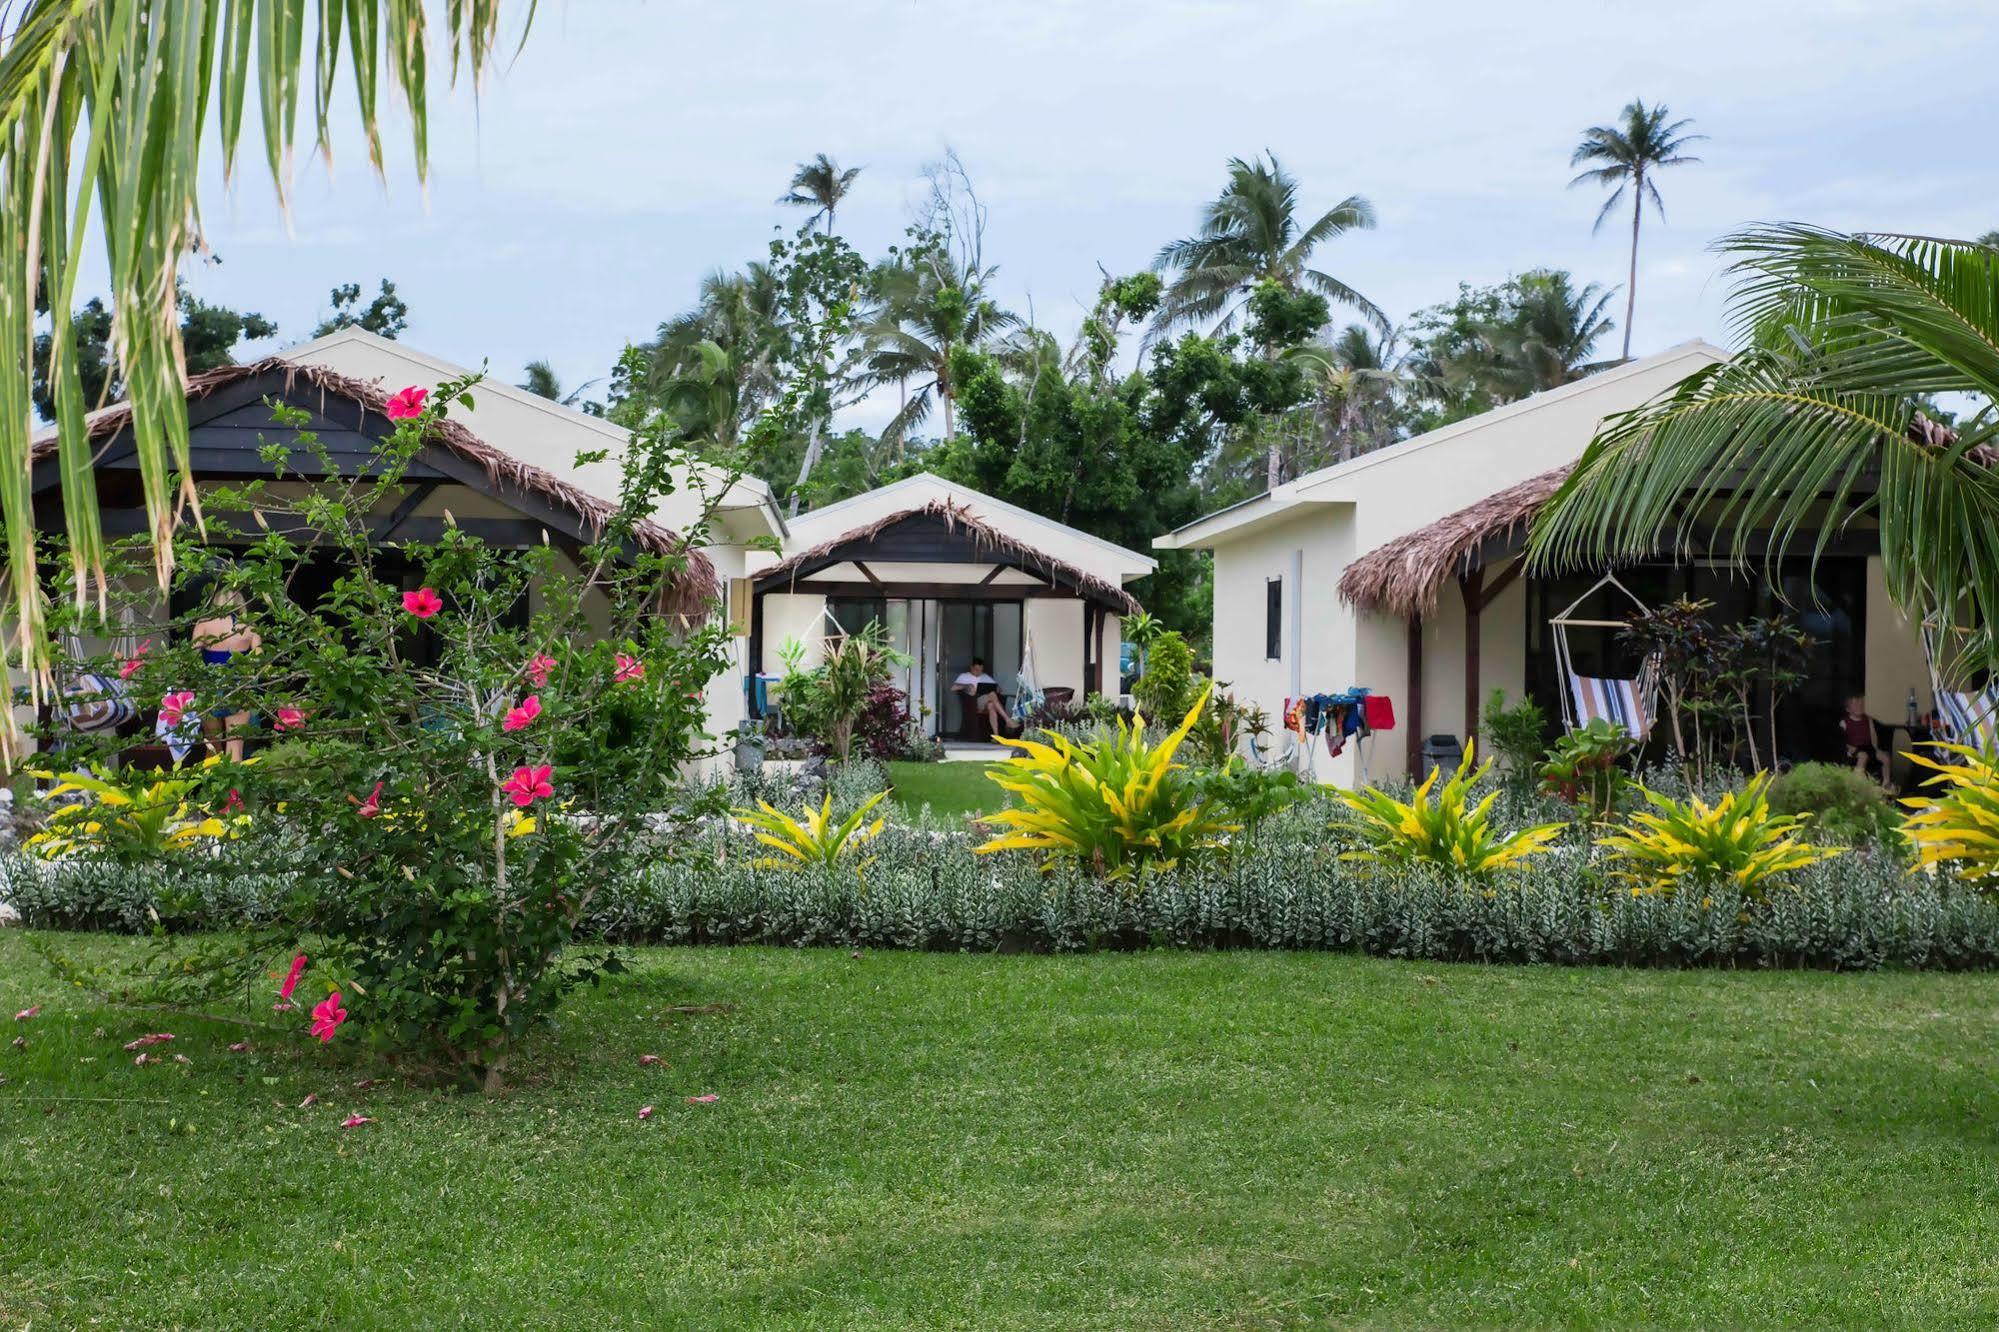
[[952, 574], [1400, 572]]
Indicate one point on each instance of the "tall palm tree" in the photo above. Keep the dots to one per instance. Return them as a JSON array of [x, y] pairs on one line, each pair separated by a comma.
[[105, 112], [1817, 422], [820, 185], [1629, 155], [1249, 234]]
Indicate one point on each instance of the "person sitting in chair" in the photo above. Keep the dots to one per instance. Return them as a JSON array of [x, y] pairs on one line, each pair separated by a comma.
[[1857, 729], [982, 699]]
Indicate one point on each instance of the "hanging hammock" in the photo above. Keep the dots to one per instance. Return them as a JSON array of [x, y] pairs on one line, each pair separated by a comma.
[[1027, 695], [1969, 713], [1631, 705]]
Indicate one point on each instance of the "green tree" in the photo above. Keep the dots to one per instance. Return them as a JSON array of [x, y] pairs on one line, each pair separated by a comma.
[[1817, 422], [385, 315], [820, 185], [208, 335], [1250, 237], [1628, 157], [714, 368], [1493, 345], [926, 310]]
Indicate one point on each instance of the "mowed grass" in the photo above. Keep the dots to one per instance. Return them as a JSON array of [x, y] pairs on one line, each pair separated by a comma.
[[952, 791], [1164, 1140]]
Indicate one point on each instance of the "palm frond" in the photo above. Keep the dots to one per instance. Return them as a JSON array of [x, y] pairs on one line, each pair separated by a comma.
[[105, 109]]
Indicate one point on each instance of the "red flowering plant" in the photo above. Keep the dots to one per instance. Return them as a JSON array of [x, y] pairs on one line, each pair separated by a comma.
[[453, 744]]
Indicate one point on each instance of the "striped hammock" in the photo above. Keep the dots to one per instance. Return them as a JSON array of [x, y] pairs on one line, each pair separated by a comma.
[[1970, 719], [1615, 701]]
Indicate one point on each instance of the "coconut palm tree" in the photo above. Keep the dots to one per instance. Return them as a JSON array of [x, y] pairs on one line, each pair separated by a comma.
[[539, 378], [1549, 334], [1629, 155], [820, 185], [713, 367], [926, 310], [1817, 422], [106, 110], [1251, 233]]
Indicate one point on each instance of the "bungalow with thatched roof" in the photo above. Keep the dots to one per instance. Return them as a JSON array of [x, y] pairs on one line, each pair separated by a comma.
[[1400, 572], [952, 575], [506, 470]]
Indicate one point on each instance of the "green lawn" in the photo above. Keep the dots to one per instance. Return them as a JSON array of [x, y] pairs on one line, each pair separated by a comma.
[[1139, 1141], [951, 790]]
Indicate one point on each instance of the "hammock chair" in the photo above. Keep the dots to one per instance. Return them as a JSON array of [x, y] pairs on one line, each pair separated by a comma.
[[1630, 705], [1969, 715]]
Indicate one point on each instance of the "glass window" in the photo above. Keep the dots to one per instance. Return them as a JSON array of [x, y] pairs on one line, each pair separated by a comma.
[[1273, 618]]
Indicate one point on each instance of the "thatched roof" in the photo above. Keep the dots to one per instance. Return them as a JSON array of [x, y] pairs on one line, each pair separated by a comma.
[[1403, 577], [696, 585], [956, 518]]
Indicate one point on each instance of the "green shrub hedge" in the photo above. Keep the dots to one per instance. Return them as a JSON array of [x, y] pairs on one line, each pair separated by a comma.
[[1282, 889]]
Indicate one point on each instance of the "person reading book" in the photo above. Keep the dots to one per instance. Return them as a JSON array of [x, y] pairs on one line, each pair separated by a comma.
[[982, 698]]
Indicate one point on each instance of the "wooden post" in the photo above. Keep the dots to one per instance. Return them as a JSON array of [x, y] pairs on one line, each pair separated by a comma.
[[1471, 587], [1413, 712]]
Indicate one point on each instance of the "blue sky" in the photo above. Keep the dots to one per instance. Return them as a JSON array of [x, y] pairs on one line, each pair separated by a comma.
[[634, 146]]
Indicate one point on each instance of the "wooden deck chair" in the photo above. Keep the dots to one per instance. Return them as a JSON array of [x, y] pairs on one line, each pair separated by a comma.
[[1631, 704]]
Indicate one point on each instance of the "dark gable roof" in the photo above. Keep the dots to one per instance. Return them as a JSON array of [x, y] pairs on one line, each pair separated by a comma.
[[697, 584], [958, 518]]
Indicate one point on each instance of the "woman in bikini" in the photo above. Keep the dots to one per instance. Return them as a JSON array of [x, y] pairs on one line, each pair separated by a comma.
[[222, 635]]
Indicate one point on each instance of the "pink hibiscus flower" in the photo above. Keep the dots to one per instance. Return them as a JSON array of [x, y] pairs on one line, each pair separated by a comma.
[[629, 668], [132, 663], [174, 707], [422, 603], [406, 405], [327, 1017], [370, 807], [291, 977], [538, 668], [529, 784], [518, 717], [288, 719], [355, 1121], [27, 1013]]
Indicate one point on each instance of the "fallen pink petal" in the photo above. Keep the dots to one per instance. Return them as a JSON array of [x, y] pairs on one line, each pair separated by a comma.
[[27, 1013], [645, 1112], [155, 1038], [241, 1047], [355, 1121], [706, 1098], [648, 1059], [311, 1099], [141, 1059]]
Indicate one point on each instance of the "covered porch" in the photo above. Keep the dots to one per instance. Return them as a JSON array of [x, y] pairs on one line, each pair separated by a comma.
[[947, 587], [1454, 600]]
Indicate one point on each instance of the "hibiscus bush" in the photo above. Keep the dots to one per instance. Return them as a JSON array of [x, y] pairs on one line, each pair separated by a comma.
[[455, 746]]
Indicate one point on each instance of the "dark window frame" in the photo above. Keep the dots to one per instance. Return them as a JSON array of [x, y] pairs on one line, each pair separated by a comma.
[[1273, 619]]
